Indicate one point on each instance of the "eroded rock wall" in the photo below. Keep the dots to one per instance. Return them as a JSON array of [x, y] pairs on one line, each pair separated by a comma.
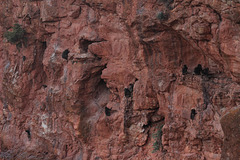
[[120, 93]]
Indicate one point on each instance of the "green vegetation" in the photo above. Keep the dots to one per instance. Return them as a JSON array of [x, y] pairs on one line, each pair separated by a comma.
[[158, 139], [164, 1], [167, 3], [162, 16], [16, 36]]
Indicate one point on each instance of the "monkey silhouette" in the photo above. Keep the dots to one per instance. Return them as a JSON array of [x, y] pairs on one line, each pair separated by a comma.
[[65, 54], [193, 113], [28, 133], [184, 69], [107, 111], [127, 92], [198, 69]]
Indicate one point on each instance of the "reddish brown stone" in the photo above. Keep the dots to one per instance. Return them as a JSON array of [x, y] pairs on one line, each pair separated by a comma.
[[55, 108], [230, 125]]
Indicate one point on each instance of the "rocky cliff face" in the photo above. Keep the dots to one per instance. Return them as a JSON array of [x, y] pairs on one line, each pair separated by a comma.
[[120, 92]]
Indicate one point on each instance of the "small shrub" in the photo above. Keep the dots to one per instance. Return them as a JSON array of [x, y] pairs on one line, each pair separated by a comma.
[[162, 16], [158, 139], [167, 3], [164, 1], [16, 36]]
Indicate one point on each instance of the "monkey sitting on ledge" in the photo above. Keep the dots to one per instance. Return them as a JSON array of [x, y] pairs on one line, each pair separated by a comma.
[[184, 70], [198, 69]]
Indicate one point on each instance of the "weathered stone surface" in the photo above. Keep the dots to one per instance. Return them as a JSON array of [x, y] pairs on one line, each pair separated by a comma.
[[120, 93], [231, 128]]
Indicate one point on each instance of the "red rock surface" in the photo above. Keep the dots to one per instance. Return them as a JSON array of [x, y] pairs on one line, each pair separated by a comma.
[[52, 108], [230, 124]]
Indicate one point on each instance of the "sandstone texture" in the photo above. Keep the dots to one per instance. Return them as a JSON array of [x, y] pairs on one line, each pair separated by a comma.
[[231, 128], [120, 93]]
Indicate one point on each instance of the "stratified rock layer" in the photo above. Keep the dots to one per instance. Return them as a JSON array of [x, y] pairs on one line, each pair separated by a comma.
[[120, 93]]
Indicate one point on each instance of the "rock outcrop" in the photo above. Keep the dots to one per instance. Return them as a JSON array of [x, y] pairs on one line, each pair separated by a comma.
[[102, 79]]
